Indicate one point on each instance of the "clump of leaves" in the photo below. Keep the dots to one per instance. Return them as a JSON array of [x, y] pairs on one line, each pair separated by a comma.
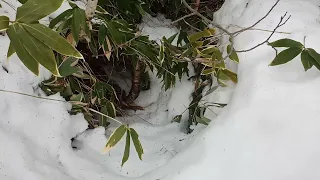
[[309, 57], [131, 134], [107, 40], [33, 42]]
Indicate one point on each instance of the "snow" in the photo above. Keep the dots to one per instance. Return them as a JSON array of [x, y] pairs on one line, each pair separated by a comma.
[[269, 130]]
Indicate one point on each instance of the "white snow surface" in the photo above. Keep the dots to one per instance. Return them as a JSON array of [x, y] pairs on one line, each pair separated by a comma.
[[269, 130]]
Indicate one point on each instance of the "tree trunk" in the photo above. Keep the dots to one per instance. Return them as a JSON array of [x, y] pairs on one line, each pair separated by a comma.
[[135, 87]]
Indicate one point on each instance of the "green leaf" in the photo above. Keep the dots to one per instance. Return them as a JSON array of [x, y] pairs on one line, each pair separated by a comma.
[[136, 142], [34, 10], [183, 36], [75, 24], [198, 35], [104, 119], [100, 10], [177, 118], [60, 18], [67, 68], [4, 23], [231, 75], [39, 51], [203, 120], [208, 71], [93, 47], [286, 43], [315, 56], [77, 97], [14, 34], [307, 60], [111, 109], [115, 137], [171, 38], [126, 149], [102, 34], [52, 39], [11, 50], [233, 56], [286, 56]]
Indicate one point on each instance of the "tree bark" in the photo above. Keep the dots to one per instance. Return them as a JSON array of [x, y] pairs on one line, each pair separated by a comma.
[[135, 87]]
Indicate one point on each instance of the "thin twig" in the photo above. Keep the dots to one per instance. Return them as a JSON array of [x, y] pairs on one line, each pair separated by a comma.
[[182, 18], [281, 23], [29, 95], [57, 100], [265, 30], [92, 110], [265, 16]]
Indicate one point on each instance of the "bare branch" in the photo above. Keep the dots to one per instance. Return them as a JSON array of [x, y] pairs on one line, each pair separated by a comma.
[[257, 29], [281, 23], [182, 18], [265, 16]]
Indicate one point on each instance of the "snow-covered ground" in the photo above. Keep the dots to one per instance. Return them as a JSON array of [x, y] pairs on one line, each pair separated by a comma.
[[269, 130]]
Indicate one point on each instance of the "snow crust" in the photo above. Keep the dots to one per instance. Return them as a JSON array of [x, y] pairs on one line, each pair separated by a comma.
[[269, 130]]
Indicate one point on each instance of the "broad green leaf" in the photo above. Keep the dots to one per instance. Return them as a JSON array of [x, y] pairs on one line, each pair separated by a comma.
[[4, 23], [39, 51], [233, 56], [177, 118], [136, 142], [286, 43], [126, 149], [14, 34], [11, 50], [52, 39], [34, 10], [306, 60], [231, 75], [67, 68], [60, 18], [198, 35], [115, 137], [208, 71], [75, 24], [315, 56], [286, 56], [210, 50]]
